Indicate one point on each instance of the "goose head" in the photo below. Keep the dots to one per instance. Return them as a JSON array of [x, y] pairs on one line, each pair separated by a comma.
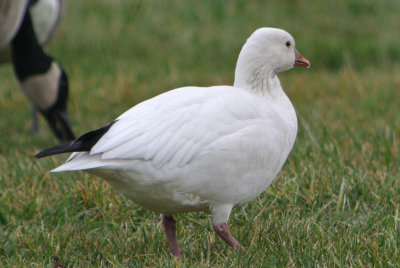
[[266, 52]]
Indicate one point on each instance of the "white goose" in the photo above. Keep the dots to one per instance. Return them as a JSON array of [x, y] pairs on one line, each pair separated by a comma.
[[200, 149]]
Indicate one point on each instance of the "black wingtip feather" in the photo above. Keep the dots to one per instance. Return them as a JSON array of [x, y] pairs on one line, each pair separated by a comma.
[[58, 149], [83, 144]]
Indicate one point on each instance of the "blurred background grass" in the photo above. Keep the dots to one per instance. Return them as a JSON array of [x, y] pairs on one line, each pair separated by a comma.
[[335, 202]]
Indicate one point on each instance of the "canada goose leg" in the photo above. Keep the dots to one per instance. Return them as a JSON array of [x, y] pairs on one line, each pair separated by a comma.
[[170, 230], [35, 121]]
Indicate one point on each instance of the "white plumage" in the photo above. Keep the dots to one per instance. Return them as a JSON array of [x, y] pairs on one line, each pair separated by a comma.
[[207, 149]]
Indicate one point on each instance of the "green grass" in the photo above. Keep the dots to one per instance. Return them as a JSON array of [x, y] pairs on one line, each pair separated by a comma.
[[336, 201]]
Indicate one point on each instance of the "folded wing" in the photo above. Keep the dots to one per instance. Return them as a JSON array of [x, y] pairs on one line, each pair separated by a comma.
[[174, 127]]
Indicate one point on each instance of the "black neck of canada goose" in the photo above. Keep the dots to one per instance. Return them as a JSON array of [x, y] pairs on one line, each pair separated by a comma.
[[28, 56]]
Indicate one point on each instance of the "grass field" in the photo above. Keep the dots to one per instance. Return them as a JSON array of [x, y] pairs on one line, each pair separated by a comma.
[[336, 201]]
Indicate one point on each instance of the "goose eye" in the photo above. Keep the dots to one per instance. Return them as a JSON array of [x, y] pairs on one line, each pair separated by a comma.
[[288, 43]]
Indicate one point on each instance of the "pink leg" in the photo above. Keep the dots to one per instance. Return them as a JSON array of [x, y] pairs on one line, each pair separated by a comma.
[[170, 230], [223, 231]]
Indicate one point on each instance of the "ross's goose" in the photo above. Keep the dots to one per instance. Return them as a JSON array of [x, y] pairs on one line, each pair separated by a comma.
[[200, 149]]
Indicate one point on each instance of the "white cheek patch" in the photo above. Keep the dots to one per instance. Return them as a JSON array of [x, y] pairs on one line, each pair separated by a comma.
[[42, 89]]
